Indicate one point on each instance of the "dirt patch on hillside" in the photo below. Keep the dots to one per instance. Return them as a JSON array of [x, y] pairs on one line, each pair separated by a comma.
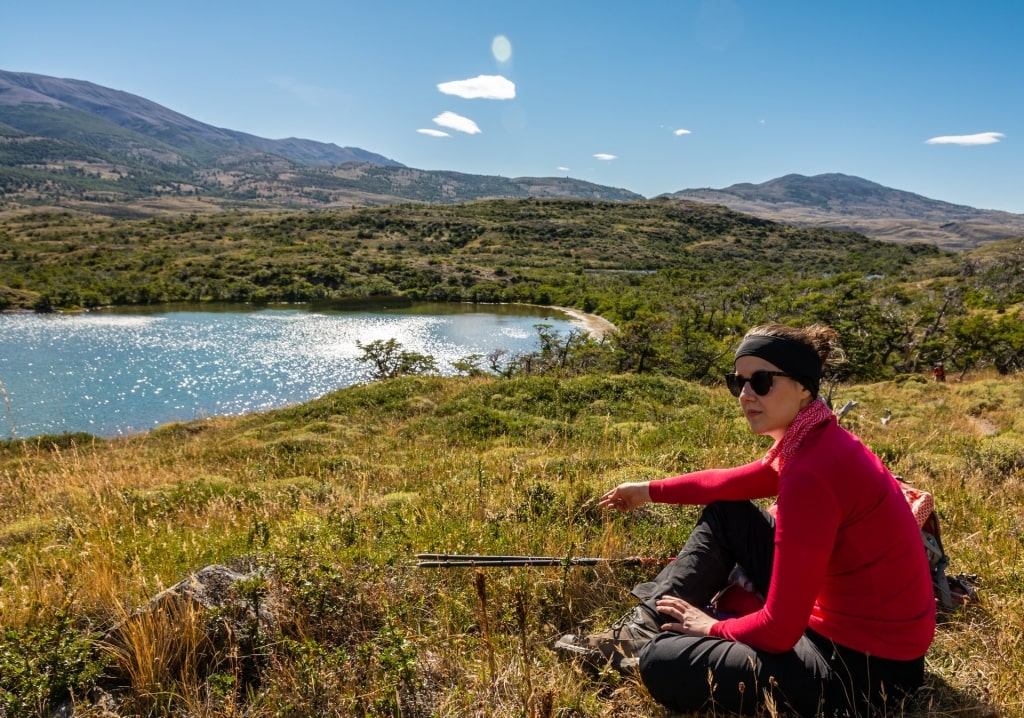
[[984, 426]]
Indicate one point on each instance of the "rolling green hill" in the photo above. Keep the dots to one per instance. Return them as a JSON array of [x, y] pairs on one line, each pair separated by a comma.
[[679, 279], [495, 250]]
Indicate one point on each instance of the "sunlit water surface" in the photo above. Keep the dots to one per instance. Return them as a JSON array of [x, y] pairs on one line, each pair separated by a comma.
[[110, 373]]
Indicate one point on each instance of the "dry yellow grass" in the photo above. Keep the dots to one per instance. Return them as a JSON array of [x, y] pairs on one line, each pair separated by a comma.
[[335, 497]]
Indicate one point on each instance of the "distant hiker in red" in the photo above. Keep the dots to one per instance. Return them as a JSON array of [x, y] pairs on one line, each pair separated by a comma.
[[848, 608], [939, 372]]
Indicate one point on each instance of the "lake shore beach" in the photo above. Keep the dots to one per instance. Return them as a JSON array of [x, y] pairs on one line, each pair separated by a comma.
[[594, 325]]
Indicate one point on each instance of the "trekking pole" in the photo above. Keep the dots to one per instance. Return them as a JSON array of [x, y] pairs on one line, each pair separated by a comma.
[[455, 560]]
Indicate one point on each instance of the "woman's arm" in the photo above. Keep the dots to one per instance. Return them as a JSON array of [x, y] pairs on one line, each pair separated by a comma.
[[755, 480], [808, 519], [750, 481]]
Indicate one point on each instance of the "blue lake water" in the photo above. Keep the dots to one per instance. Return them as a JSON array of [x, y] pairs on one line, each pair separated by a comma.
[[118, 372]]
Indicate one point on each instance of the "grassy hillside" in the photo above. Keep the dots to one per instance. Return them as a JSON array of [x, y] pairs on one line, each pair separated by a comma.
[[330, 500]]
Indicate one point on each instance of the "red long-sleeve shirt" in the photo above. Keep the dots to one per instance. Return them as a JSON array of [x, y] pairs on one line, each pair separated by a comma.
[[849, 562]]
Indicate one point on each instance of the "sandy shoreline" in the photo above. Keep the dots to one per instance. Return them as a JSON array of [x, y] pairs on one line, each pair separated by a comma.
[[594, 325]]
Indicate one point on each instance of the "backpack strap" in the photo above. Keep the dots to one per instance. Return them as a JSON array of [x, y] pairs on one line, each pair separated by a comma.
[[945, 595]]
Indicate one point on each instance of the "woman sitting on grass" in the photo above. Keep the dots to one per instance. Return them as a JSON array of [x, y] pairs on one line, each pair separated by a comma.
[[849, 609]]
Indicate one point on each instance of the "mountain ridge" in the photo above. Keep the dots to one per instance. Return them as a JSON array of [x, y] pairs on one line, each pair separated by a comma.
[[140, 114], [839, 201], [75, 145]]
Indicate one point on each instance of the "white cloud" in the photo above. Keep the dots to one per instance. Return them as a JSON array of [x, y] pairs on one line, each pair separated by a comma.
[[457, 122], [982, 138], [434, 133], [604, 156], [562, 169], [486, 87], [680, 132]]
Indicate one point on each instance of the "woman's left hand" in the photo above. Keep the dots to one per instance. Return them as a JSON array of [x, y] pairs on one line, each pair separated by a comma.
[[690, 620]]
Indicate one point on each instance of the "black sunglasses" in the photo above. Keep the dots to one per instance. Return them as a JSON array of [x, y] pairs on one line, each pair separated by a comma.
[[760, 381]]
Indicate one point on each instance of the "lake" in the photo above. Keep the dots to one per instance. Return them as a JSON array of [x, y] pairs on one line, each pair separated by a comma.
[[116, 372]]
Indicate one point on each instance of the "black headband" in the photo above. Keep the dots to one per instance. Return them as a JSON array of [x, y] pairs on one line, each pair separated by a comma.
[[799, 360]]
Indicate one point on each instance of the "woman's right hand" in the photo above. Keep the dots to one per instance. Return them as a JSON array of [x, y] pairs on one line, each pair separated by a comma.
[[626, 497]]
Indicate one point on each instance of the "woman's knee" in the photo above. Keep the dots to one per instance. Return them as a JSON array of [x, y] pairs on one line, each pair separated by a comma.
[[672, 674], [726, 513]]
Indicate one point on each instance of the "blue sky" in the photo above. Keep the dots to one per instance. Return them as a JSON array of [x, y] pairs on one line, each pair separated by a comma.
[[652, 96]]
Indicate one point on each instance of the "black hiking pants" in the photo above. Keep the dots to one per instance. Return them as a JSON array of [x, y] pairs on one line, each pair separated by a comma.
[[815, 677]]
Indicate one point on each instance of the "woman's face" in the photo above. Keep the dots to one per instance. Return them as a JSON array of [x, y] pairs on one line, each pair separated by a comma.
[[771, 414]]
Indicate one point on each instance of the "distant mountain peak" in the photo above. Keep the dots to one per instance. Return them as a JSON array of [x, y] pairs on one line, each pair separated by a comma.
[[843, 201], [145, 117], [831, 187]]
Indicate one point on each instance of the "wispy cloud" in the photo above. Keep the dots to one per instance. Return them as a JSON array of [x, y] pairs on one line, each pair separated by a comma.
[[482, 87], [562, 169], [457, 122], [982, 138], [604, 156], [308, 94], [434, 133], [680, 132]]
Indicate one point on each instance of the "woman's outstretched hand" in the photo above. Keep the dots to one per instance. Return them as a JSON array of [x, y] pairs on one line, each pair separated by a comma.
[[626, 497], [690, 620]]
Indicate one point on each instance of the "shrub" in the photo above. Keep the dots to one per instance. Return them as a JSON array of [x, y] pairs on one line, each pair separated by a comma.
[[999, 457], [45, 661]]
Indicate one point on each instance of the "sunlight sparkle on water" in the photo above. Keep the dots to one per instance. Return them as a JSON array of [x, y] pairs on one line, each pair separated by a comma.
[[111, 374]]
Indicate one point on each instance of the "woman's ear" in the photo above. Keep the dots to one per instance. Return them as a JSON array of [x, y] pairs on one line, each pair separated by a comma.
[[805, 396]]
